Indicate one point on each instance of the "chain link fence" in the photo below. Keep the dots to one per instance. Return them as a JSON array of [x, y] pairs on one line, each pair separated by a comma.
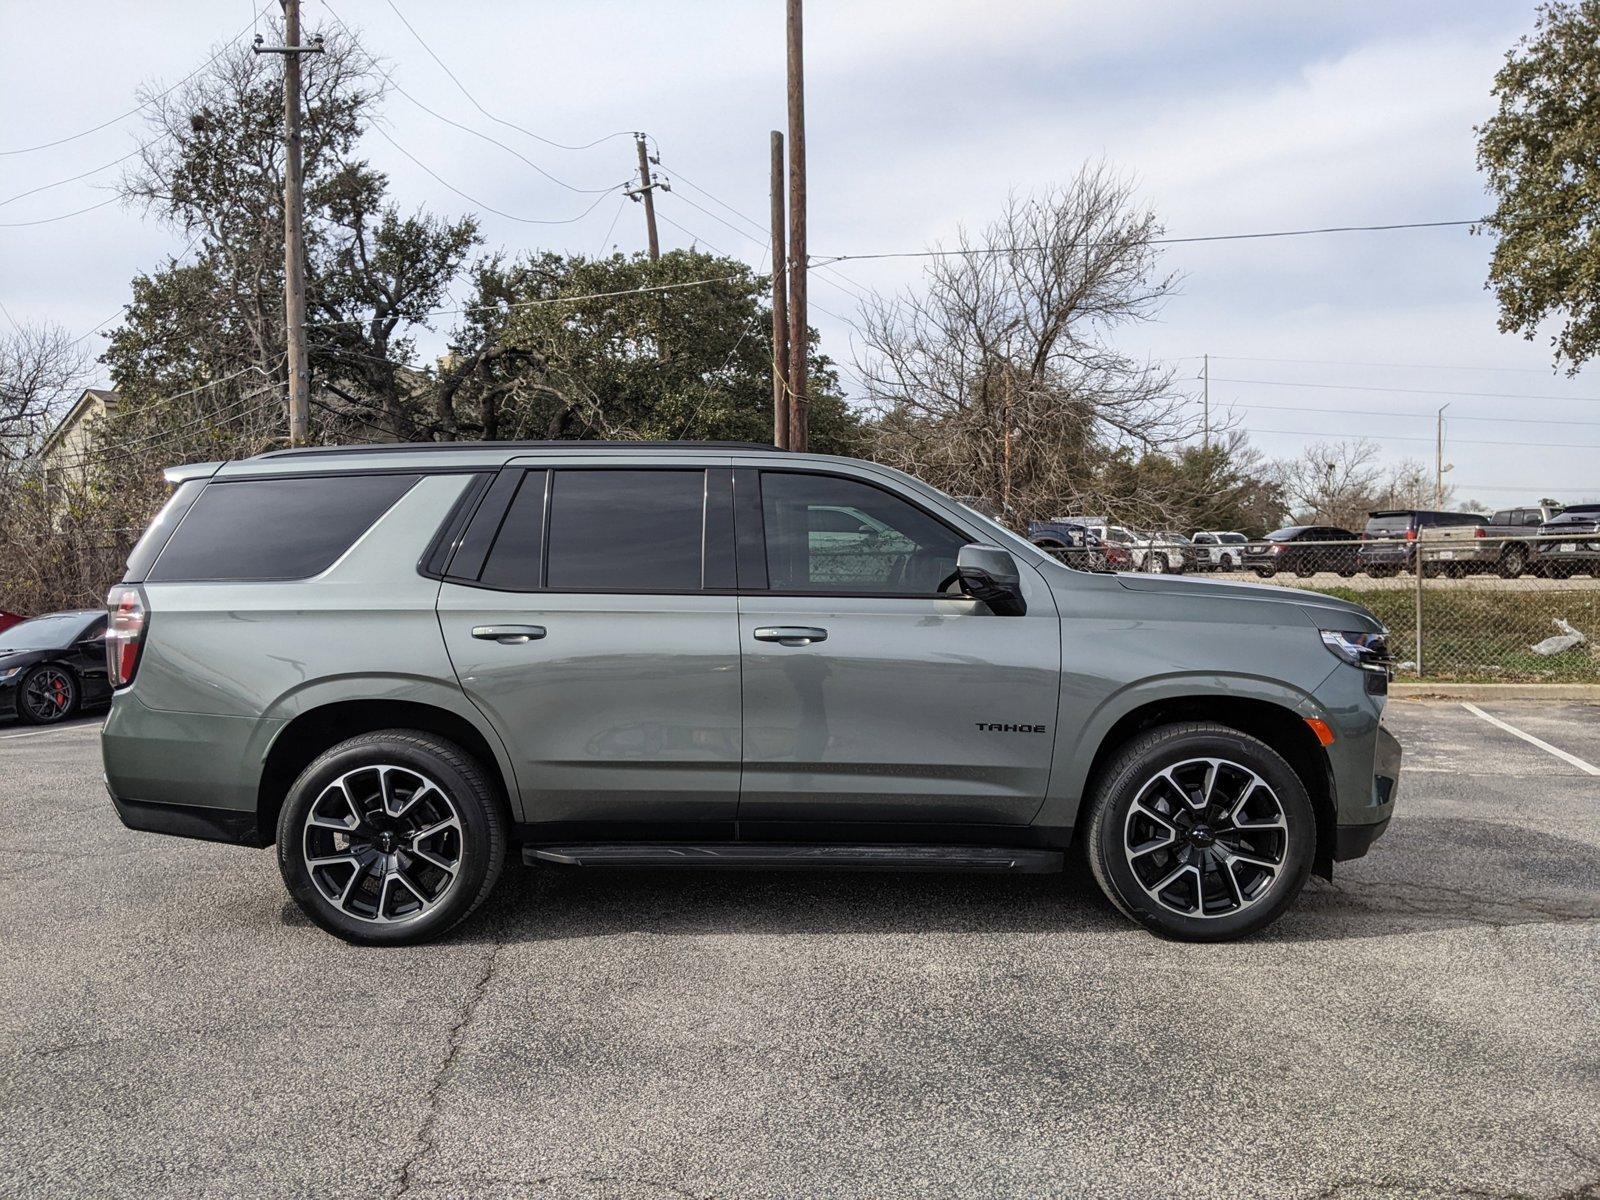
[[1460, 606]]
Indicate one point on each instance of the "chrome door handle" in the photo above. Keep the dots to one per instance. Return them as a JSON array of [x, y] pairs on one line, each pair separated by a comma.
[[791, 635], [508, 635]]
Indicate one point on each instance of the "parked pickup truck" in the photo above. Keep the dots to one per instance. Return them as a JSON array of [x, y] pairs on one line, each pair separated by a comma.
[[1504, 545]]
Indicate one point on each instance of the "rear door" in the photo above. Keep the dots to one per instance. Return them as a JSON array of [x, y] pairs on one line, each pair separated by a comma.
[[871, 694], [589, 613]]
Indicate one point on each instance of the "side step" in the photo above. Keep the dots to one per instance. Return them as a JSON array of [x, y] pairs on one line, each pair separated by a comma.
[[777, 855]]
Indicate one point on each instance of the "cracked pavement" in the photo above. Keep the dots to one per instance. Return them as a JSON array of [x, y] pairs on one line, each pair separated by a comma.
[[1427, 1026]]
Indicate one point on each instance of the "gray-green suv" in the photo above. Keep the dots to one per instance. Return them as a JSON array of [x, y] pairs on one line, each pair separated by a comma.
[[401, 663]]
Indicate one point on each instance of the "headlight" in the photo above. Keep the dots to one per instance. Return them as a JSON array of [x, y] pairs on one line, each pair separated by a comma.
[[1369, 651], [10, 673]]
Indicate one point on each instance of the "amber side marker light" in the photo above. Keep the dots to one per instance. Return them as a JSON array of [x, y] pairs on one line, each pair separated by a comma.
[[1320, 728]]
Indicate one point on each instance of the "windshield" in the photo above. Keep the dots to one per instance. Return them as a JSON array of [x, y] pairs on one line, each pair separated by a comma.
[[46, 633], [1287, 535], [1232, 539]]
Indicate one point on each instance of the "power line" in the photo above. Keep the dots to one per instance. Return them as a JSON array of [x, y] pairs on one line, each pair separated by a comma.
[[1378, 412], [1359, 387], [146, 104], [439, 179], [45, 187], [1344, 362], [1398, 437], [638, 291], [373, 62], [58, 217], [497, 120], [1165, 241]]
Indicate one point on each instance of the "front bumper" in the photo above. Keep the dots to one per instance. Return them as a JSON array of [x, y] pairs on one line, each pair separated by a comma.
[[1353, 838]]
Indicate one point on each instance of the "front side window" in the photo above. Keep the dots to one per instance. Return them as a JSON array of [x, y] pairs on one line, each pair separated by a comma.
[[829, 534], [626, 530]]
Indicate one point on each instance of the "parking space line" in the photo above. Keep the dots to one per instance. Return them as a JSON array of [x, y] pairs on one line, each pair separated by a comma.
[[1573, 759], [11, 737]]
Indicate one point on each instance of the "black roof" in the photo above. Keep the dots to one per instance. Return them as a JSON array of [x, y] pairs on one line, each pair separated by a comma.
[[570, 444]]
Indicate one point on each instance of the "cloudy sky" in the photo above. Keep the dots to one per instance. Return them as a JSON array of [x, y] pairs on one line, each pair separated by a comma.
[[1232, 117]]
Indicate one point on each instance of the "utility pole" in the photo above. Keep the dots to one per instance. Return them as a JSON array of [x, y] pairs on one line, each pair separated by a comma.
[[294, 252], [799, 405], [1438, 460], [780, 304], [645, 191], [1206, 392]]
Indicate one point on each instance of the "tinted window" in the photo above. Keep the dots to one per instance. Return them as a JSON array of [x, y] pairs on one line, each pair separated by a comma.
[[1286, 535], [49, 633], [894, 546], [626, 530], [1390, 523], [159, 530], [271, 529], [519, 549]]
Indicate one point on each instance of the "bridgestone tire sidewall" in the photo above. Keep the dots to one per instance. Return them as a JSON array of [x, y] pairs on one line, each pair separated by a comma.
[[1162, 748]]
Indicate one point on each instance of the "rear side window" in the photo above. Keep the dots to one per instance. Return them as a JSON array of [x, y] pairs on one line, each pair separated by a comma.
[[155, 536], [625, 530], [1389, 523], [275, 529]]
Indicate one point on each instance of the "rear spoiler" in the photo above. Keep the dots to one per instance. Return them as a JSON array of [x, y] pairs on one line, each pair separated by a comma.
[[187, 471]]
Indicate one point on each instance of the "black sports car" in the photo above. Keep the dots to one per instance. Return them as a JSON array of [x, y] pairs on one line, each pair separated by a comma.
[[54, 666]]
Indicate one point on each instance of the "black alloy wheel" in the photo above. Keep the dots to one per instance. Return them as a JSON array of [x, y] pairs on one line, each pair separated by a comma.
[[48, 694]]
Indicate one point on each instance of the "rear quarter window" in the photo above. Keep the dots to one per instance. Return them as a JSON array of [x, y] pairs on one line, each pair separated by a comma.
[[265, 530]]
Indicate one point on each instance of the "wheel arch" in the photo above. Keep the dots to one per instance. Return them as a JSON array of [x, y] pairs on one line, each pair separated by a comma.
[[1276, 724], [316, 729]]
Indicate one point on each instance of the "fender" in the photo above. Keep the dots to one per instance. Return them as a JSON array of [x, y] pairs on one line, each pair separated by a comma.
[[1076, 747]]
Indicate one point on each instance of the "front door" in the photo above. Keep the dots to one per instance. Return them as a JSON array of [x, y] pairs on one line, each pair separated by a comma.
[[595, 626], [871, 693]]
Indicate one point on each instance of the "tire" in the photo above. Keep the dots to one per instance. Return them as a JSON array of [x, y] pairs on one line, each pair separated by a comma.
[[1347, 572], [1123, 805], [1162, 565], [1513, 563], [419, 779], [1265, 572], [1227, 562], [49, 694], [1304, 572], [1383, 572]]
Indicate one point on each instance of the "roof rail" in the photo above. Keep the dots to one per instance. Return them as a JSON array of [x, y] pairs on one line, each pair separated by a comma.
[[567, 445]]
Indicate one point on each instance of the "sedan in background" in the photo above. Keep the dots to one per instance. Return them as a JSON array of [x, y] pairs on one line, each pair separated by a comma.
[[53, 667], [1304, 550]]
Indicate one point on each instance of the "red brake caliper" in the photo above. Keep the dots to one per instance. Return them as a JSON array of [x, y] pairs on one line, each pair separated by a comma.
[[61, 695]]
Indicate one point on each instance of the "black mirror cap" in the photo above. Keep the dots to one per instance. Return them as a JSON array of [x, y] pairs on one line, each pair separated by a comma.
[[990, 574]]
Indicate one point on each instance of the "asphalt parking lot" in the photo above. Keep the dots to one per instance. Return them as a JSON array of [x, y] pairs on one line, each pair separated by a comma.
[[1429, 1025]]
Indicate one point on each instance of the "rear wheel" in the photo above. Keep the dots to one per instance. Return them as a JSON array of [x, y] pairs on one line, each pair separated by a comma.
[[1161, 565], [1513, 563], [1228, 562], [1200, 832], [48, 694], [391, 837], [1265, 572]]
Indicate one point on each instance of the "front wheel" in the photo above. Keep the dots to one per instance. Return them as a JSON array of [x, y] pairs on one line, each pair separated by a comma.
[[1162, 565], [1200, 832], [391, 837], [48, 694], [1513, 563]]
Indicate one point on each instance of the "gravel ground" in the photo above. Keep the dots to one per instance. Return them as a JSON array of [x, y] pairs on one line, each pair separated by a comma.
[[1427, 1026]]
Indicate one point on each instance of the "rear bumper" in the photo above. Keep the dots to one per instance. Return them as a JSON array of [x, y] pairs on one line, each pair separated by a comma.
[[189, 821]]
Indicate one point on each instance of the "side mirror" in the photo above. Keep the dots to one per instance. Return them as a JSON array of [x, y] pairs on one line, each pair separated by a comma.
[[990, 574]]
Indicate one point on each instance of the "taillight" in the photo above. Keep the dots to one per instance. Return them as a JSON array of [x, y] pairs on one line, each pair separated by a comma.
[[1277, 547], [124, 633], [1411, 535], [1479, 531]]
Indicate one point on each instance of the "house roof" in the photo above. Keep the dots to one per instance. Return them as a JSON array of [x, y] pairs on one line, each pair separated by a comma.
[[85, 403]]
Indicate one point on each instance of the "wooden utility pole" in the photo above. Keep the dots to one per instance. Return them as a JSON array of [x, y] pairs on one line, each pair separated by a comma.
[[780, 304], [799, 404], [646, 192], [294, 250]]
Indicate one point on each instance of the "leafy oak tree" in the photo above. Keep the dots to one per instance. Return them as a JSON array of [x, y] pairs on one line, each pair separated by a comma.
[[1540, 154]]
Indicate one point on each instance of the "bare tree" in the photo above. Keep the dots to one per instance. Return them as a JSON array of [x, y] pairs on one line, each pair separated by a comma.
[[42, 367], [994, 379], [1339, 483]]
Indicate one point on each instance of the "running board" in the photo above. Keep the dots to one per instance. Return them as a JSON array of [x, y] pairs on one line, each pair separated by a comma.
[[767, 856]]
